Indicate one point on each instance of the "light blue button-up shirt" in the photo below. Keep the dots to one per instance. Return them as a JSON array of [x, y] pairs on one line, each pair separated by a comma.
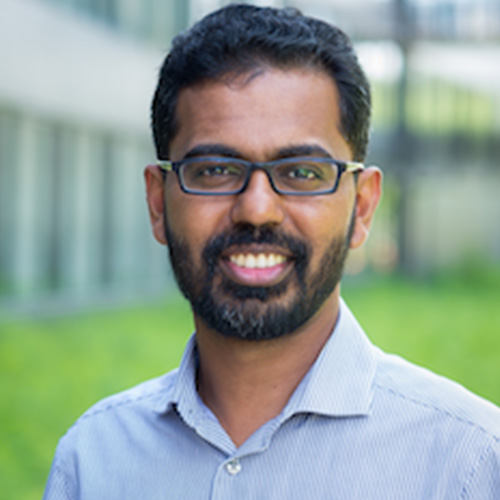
[[361, 425]]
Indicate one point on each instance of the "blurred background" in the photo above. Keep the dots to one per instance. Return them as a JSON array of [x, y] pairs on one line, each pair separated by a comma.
[[87, 303], [77, 79]]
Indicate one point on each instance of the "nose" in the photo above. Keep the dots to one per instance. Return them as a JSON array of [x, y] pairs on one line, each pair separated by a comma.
[[259, 204]]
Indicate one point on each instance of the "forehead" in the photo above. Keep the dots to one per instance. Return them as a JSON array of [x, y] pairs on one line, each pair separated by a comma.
[[261, 113]]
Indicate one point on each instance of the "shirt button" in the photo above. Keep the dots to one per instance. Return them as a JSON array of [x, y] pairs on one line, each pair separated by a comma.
[[233, 467]]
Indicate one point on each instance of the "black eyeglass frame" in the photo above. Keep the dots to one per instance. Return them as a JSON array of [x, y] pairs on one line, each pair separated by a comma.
[[343, 166]]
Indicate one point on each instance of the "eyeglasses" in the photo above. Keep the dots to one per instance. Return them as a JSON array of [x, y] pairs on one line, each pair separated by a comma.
[[215, 176]]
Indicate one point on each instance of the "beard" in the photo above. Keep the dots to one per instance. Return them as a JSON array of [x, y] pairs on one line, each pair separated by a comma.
[[253, 312]]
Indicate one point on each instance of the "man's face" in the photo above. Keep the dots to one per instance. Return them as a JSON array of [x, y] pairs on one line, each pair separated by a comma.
[[259, 265]]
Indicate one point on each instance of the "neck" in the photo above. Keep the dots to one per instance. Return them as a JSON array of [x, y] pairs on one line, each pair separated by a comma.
[[247, 383]]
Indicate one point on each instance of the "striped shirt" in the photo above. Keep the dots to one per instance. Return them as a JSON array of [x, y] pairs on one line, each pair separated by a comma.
[[362, 424]]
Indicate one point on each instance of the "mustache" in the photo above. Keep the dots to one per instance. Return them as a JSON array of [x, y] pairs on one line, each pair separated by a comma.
[[245, 234]]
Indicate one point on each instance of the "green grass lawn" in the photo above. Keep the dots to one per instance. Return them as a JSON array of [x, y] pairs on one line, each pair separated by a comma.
[[51, 370]]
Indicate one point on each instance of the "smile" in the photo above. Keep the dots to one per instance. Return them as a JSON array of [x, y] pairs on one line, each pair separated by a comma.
[[256, 268], [257, 261]]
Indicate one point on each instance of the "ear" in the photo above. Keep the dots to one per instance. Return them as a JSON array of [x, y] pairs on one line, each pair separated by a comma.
[[155, 197], [368, 193]]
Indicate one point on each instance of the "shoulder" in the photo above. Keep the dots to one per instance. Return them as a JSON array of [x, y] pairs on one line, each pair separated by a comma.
[[457, 431], [418, 389], [146, 398], [113, 431]]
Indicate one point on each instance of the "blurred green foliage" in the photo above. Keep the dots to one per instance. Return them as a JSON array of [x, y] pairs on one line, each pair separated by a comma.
[[53, 369]]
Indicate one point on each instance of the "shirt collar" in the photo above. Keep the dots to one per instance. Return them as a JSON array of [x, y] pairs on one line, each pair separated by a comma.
[[339, 383], [183, 389]]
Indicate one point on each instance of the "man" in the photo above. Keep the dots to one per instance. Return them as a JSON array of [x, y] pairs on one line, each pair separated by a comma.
[[260, 121]]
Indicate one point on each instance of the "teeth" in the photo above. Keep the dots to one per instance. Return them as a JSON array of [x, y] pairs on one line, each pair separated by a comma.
[[259, 261], [239, 260]]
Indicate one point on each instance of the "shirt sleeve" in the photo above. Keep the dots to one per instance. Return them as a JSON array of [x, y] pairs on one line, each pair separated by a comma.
[[60, 485], [484, 482]]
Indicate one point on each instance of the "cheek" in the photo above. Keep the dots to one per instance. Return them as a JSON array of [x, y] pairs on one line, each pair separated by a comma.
[[322, 221], [194, 219]]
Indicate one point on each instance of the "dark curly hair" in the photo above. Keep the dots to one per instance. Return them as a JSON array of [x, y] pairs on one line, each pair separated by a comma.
[[242, 38]]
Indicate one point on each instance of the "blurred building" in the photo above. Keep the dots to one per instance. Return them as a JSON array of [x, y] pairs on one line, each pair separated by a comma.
[[77, 79], [435, 73]]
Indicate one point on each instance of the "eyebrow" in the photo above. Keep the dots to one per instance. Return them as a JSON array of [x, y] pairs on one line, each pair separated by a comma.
[[302, 150], [291, 151], [213, 150]]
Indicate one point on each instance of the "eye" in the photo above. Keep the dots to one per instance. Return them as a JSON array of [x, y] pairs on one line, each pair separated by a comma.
[[306, 173], [213, 170], [211, 174]]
